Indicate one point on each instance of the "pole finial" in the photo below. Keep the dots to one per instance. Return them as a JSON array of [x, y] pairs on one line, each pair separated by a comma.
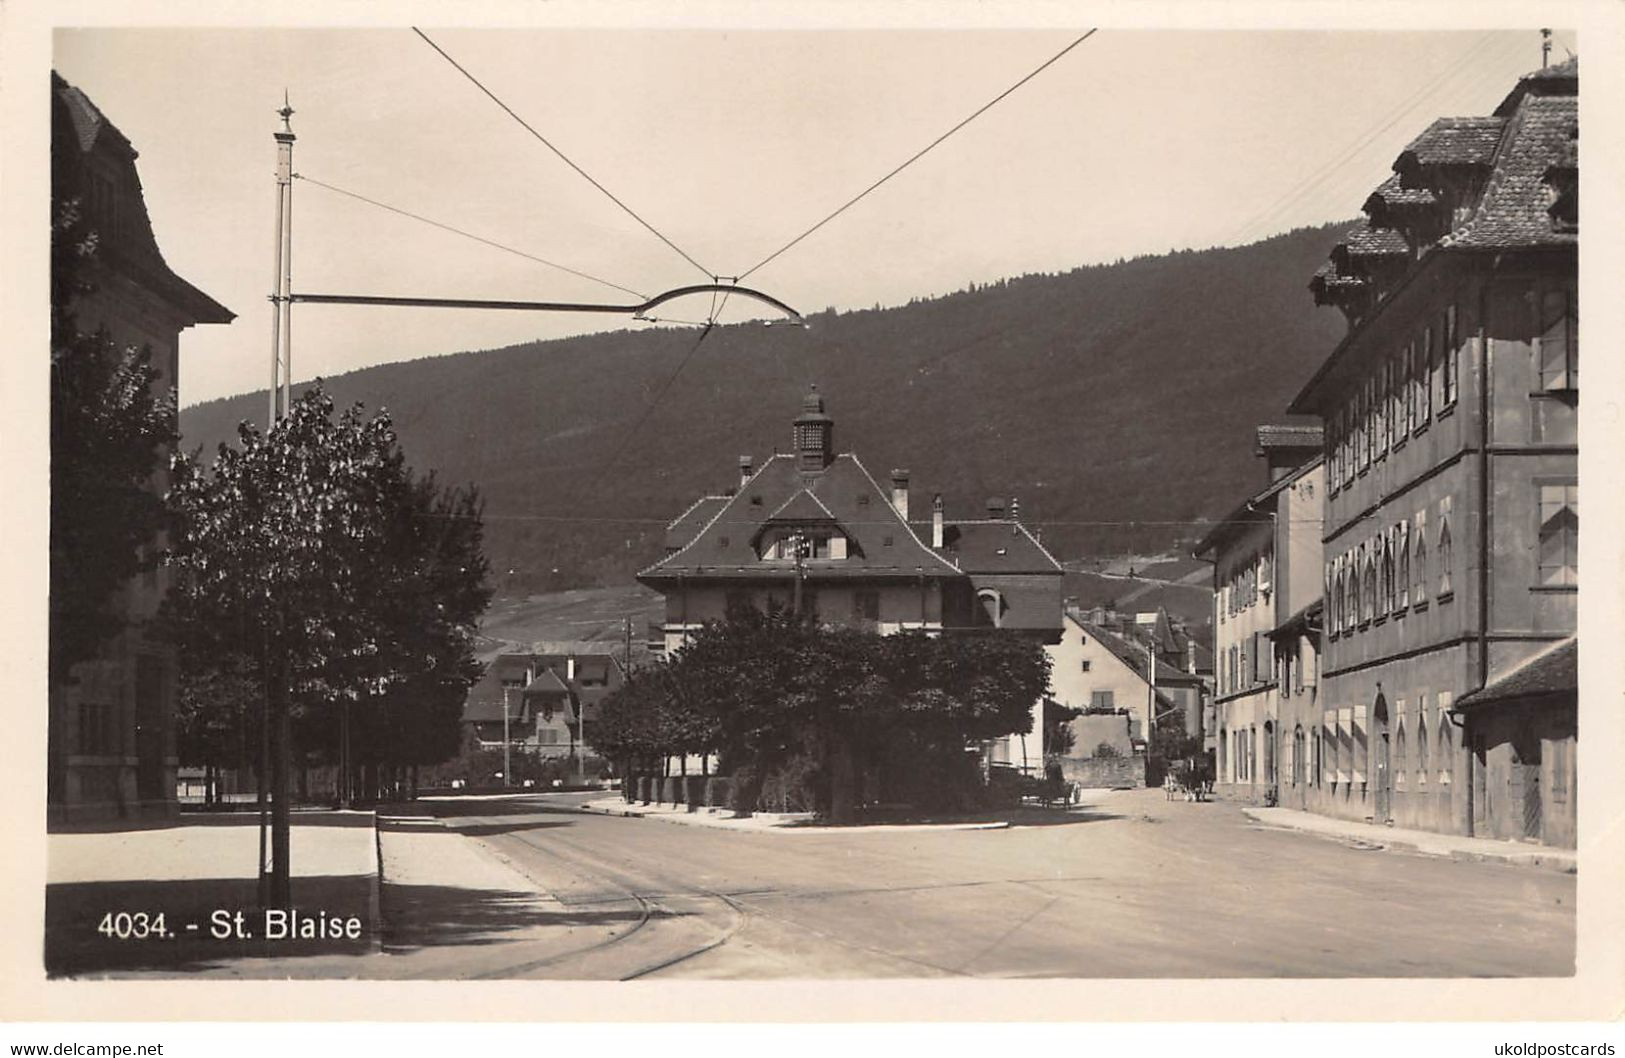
[[286, 112], [1545, 47]]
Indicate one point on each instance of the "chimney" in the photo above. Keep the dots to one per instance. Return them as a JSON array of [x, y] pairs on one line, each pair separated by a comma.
[[995, 508], [899, 492], [570, 670], [936, 521], [744, 471]]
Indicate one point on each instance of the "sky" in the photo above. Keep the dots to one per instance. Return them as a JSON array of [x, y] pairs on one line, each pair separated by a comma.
[[731, 143]]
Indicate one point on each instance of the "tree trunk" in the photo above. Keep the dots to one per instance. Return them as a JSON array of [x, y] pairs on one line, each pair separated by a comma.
[[281, 792], [414, 791], [843, 784]]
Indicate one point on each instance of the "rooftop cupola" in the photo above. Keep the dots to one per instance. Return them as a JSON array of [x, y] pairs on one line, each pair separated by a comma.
[[814, 434]]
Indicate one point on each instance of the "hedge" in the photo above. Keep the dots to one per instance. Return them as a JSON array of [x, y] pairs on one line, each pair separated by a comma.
[[671, 790], [694, 791], [644, 783], [719, 791]]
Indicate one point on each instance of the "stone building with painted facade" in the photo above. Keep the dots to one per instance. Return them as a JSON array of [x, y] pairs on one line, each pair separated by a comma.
[[1448, 694], [111, 735], [1266, 570]]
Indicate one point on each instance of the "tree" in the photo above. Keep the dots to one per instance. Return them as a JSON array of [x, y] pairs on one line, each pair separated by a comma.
[[109, 430], [314, 550], [766, 690]]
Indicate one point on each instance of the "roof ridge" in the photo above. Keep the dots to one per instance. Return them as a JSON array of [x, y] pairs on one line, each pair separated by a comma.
[[724, 509], [907, 528], [690, 509]]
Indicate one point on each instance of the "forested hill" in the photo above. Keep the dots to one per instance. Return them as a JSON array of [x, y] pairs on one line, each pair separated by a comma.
[[1117, 402]]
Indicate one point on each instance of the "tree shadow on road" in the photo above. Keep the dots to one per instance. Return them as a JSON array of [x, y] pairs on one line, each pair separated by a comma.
[[421, 916]]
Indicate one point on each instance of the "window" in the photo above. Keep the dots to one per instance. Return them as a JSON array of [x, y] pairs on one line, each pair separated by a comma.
[[1422, 741], [886, 541], [1424, 381], [1445, 506], [1402, 570], [1356, 586], [1368, 407], [1412, 353], [95, 729], [1315, 766], [1385, 544], [1559, 535], [863, 499], [1328, 596], [1420, 578], [1245, 673], [1084, 665], [1452, 360], [1101, 701], [1557, 348], [1357, 731], [1369, 594], [1383, 423], [1399, 746]]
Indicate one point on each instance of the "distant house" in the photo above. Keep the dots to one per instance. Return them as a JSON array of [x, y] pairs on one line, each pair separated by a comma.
[[1451, 565], [536, 701], [1106, 664], [814, 530], [111, 732]]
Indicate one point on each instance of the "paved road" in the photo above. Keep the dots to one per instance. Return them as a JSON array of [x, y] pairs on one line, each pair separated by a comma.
[[1130, 886]]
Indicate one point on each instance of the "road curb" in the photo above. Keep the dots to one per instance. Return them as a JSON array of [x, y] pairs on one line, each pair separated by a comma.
[[784, 825], [1421, 845], [375, 897]]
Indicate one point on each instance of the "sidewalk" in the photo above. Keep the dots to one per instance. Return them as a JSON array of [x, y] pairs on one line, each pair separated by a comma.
[[783, 823], [1424, 842], [199, 872]]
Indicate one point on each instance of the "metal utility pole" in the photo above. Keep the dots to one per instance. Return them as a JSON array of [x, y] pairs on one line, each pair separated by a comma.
[[275, 721], [507, 742]]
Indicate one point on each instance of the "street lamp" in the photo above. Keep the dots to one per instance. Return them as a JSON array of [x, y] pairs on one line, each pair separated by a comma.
[[507, 742]]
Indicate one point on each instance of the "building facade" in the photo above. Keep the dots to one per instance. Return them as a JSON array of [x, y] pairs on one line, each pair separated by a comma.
[[112, 729], [814, 531], [1266, 570], [1450, 572]]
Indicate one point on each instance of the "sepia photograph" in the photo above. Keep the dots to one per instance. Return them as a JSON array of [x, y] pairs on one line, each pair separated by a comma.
[[705, 501]]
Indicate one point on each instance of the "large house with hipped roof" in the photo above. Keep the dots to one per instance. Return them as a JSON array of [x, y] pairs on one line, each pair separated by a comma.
[[111, 735], [813, 530], [1448, 693]]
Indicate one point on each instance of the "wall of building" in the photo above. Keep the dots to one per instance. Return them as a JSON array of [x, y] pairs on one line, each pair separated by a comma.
[[1081, 667], [1104, 773], [113, 723], [902, 603], [1402, 667]]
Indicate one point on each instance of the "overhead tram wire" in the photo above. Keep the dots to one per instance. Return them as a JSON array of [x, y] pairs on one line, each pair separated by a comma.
[[562, 156], [920, 153], [469, 235], [649, 408], [1388, 121]]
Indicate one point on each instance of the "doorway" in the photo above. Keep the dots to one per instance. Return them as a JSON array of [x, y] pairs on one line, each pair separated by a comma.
[[1524, 782], [1382, 808]]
